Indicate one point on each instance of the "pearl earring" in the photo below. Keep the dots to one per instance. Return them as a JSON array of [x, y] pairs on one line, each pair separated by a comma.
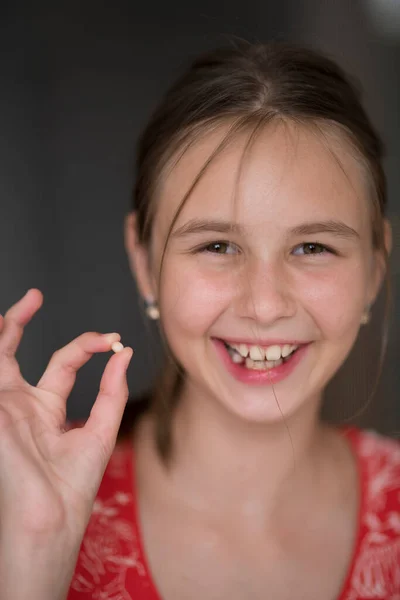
[[365, 318], [152, 310]]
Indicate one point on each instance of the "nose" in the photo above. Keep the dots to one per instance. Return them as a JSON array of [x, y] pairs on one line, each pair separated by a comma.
[[265, 292]]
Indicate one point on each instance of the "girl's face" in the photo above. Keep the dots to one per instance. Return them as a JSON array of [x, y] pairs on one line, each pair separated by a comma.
[[280, 256]]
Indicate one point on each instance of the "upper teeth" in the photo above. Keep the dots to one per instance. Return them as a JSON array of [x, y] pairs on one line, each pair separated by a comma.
[[260, 353]]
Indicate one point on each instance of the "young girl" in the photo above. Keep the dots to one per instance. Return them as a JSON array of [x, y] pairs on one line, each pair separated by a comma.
[[259, 242]]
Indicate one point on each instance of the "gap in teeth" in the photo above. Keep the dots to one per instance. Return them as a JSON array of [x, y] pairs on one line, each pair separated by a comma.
[[257, 365]]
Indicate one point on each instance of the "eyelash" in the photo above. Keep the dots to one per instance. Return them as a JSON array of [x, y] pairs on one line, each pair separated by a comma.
[[205, 249]]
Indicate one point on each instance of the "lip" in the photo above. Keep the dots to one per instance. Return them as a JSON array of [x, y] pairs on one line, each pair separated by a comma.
[[255, 377], [262, 343]]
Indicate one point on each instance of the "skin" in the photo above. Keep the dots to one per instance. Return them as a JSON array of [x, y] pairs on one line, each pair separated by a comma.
[[49, 477], [252, 464]]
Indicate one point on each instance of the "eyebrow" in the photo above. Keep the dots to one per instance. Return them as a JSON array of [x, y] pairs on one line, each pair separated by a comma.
[[336, 228]]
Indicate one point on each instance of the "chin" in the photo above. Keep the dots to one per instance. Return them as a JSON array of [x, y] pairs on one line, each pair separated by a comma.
[[260, 408]]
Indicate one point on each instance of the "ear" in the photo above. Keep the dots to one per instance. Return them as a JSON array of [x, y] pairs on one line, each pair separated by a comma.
[[138, 257], [379, 262]]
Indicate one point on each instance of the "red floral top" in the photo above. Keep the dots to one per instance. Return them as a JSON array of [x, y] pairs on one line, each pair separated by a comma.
[[112, 563]]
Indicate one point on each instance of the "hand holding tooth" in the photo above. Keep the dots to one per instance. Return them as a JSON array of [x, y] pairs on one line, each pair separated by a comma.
[[49, 477]]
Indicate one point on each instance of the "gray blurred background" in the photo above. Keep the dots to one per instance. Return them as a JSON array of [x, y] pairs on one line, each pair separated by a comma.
[[78, 82]]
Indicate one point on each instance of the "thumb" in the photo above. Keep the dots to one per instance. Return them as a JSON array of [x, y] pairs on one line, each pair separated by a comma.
[[106, 414], [90, 447]]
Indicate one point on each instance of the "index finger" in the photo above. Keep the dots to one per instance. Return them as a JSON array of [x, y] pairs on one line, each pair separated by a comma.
[[60, 375]]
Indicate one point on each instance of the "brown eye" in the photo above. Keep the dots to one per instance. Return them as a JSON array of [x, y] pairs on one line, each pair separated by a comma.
[[220, 248], [313, 248]]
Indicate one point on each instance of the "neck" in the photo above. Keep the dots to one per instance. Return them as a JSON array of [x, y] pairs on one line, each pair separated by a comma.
[[244, 468]]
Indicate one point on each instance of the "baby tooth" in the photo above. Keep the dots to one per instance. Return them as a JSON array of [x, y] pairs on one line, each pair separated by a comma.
[[244, 350], [237, 358]]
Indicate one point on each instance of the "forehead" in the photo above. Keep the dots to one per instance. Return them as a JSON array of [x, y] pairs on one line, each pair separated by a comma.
[[288, 174]]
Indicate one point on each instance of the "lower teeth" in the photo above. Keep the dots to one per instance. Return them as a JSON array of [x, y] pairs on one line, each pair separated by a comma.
[[261, 365]]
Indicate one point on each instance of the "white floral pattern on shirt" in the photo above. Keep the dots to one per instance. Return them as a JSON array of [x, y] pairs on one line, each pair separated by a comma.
[[376, 575], [109, 547]]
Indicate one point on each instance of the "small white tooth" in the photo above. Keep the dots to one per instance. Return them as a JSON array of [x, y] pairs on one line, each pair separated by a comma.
[[273, 353], [249, 363], [236, 357], [286, 350], [243, 350], [256, 353], [293, 348]]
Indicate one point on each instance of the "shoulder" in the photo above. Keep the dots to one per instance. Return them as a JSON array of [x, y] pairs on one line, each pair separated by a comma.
[[379, 467], [378, 452], [375, 571], [379, 459]]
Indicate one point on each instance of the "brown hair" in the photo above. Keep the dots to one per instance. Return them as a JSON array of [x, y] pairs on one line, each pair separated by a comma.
[[250, 84]]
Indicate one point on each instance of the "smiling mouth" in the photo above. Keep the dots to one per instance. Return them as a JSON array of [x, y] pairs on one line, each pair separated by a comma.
[[241, 356]]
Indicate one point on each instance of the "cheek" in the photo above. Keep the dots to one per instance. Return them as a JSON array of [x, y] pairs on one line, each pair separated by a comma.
[[336, 299], [193, 297]]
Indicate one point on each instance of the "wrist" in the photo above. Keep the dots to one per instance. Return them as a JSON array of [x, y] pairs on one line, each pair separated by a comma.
[[36, 568]]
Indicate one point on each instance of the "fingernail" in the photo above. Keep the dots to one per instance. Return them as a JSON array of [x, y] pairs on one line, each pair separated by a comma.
[[112, 337]]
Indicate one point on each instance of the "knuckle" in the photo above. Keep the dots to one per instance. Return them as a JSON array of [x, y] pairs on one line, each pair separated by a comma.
[[86, 336], [81, 342], [77, 342], [58, 356], [107, 392], [56, 352]]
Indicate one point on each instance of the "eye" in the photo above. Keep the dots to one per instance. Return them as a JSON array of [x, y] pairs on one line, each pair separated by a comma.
[[314, 248], [219, 248]]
